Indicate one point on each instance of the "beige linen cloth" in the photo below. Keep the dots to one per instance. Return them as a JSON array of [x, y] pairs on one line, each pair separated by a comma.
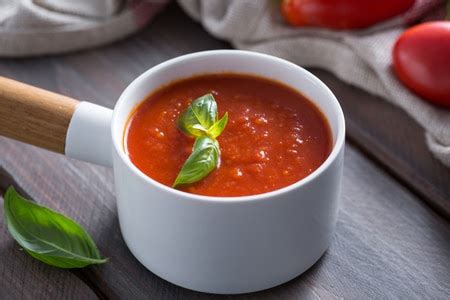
[[361, 58], [35, 27]]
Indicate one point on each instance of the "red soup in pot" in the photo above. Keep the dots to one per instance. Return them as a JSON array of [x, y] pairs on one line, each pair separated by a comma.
[[275, 136]]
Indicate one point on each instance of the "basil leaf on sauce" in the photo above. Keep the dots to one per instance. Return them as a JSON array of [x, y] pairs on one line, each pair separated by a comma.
[[202, 161], [47, 235], [216, 129], [199, 116], [200, 120]]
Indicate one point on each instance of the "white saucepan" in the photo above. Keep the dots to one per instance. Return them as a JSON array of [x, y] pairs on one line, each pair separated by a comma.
[[208, 244]]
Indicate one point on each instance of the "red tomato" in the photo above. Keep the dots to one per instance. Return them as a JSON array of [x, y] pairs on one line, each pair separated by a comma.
[[422, 60], [341, 14]]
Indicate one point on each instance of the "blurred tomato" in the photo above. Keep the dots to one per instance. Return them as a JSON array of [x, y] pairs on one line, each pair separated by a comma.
[[341, 14], [422, 60]]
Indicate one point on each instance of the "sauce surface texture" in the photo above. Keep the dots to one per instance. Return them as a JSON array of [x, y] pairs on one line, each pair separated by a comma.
[[274, 137]]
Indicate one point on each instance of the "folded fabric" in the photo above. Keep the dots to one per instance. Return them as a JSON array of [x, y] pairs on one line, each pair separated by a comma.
[[361, 58], [35, 27]]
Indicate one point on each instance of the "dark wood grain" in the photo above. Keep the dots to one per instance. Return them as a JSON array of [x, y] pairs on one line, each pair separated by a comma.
[[388, 135], [22, 278], [388, 243]]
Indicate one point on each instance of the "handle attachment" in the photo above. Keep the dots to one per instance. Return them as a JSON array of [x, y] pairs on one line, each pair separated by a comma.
[[89, 134], [55, 122]]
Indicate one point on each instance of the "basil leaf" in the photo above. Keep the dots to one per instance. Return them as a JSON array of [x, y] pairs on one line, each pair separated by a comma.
[[202, 161], [199, 116], [200, 120], [216, 129], [47, 235]]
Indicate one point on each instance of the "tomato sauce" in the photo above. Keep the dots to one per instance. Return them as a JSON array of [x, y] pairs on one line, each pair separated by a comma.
[[274, 137]]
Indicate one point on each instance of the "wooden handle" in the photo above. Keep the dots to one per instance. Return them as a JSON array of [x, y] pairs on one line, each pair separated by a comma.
[[33, 115]]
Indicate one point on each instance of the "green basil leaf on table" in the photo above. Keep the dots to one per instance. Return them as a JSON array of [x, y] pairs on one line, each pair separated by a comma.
[[204, 158], [199, 116], [48, 235], [216, 129]]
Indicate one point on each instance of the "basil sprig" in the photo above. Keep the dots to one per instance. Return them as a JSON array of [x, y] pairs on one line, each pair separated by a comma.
[[200, 121], [47, 235]]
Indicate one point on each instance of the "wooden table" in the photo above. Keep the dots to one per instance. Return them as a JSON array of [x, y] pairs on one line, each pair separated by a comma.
[[393, 233]]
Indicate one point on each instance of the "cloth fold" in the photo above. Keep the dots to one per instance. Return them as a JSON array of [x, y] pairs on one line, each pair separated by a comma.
[[361, 58], [36, 27]]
